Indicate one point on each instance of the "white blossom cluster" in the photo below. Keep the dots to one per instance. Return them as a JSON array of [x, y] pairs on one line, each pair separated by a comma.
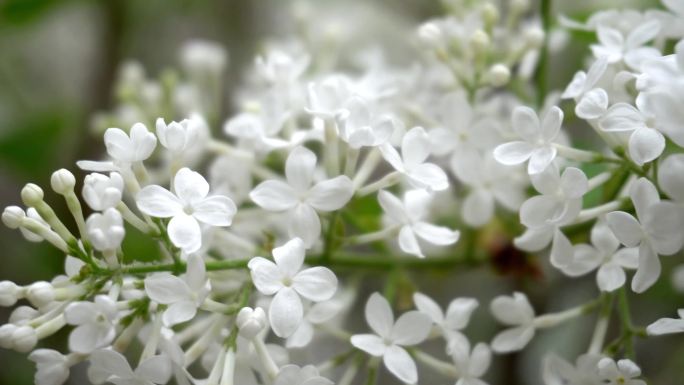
[[331, 169]]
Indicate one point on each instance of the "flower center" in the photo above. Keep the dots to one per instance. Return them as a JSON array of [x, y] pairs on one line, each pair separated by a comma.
[[287, 281], [188, 209]]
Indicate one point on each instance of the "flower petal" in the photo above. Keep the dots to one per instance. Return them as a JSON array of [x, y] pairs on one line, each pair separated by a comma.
[[369, 343], [166, 288], [428, 176], [216, 210], [665, 326], [415, 147], [513, 153], [649, 269], [625, 227], [526, 124], [266, 275], [458, 313], [645, 145], [408, 242], [158, 202], [290, 256], [179, 312], [299, 168], [315, 284], [411, 328], [429, 307], [400, 363], [512, 339], [331, 194], [478, 207], [437, 235], [379, 315], [305, 224], [189, 185], [274, 195], [541, 159], [156, 369], [551, 125], [185, 233], [610, 277], [285, 313]]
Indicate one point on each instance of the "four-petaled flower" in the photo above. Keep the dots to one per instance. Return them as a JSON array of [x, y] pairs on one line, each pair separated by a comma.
[[111, 366], [95, 324], [516, 312]]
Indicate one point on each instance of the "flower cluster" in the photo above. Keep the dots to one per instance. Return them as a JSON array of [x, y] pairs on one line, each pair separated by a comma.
[[328, 170]]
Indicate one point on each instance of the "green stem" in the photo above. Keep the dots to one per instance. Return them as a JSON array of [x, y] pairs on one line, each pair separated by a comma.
[[541, 76], [627, 328]]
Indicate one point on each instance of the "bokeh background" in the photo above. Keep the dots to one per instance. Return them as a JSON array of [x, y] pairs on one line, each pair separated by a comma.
[[58, 65]]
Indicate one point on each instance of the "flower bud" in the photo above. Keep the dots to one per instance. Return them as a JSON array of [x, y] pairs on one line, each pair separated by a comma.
[[32, 194], [480, 40], [490, 14], [13, 216], [40, 293], [22, 314], [24, 339], [6, 332], [62, 181], [9, 293], [534, 37], [499, 75], [430, 35], [250, 322]]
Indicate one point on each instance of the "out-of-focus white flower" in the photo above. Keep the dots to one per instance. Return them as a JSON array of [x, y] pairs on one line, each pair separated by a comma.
[[327, 97], [456, 318], [106, 230], [409, 217], [189, 206], [203, 58], [591, 102], [671, 177], [109, 365], [646, 143], [359, 126], [95, 324], [286, 280], [537, 140], [517, 312], [299, 198], [656, 231], [317, 314], [177, 137], [125, 149], [557, 371], [667, 325], [471, 365], [295, 375], [410, 329], [415, 149], [102, 192], [183, 296], [52, 367], [615, 47], [602, 253], [624, 372], [278, 67]]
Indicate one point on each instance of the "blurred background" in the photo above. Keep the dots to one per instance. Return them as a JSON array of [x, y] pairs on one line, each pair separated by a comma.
[[58, 65]]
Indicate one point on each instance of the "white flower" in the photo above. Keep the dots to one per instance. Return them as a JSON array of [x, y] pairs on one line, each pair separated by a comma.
[[557, 371], [409, 217], [603, 253], [111, 366], [410, 329], [316, 314], [646, 143], [294, 375], [624, 373], [189, 206], [456, 318], [359, 126], [657, 231], [101, 191], [489, 182], [177, 136], [537, 140], [95, 324], [667, 325], [106, 230], [287, 283], [28, 234], [583, 82], [125, 149], [326, 98], [671, 177], [278, 67], [415, 149], [517, 312], [299, 198], [202, 58], [52, 367], [250, 322], [615, 47], [471, 365], [183, 296], [560, 200], [258, 130]]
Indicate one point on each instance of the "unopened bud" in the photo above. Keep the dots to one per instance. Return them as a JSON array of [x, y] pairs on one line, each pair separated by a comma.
[[430, 35], [13, 216], [499, 75], [32, 194], [6, 332], [62, 181], [490, 14], [23, 314], [534, 37], [250, 322], [9, 293], [24, 339], [479, 40], [40, 293]]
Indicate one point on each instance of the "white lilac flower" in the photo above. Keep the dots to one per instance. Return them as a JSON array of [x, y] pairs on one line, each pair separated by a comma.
[[102, 192], [258, 130], [557, 371], [667, 325], [409, 217], [299, 198], [390, 337], [415, 149], [657, 231], [603, 254], [560, 199], [52, 367], [360, 126], [295, 375], [671, 177], [453, 321], [646, 143], [624, 372], [489, 182], [183, 296], [591, 101], [537, 140], [471, 365], [189, 206], [326, 98], [124, 149], [287, 282], [202, 57], [316, 314], [105, 231], [631, 49], [94, 323], [280, 68], [250, 322], [177, 137], [110, 366], [514, 311]]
